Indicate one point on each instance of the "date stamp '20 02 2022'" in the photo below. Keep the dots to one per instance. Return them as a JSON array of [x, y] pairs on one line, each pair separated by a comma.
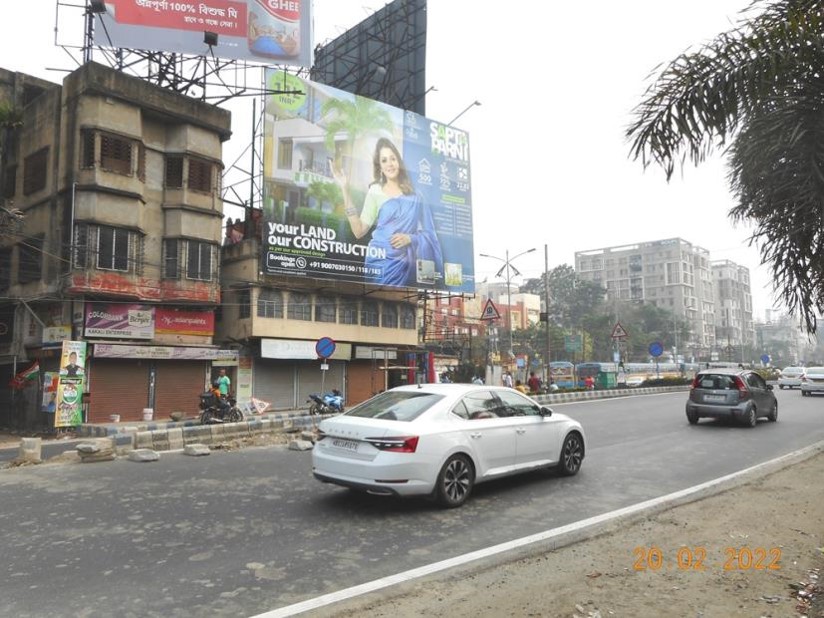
[[697, 558]]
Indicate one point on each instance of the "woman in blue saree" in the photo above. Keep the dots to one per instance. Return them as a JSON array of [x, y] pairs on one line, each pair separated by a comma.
[[404, 249]]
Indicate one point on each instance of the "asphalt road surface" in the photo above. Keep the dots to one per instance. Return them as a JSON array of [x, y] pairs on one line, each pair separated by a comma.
[[239, 533]]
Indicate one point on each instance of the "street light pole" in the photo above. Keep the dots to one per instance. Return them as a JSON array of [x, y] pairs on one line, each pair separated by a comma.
[[468, 107], [507, 266]]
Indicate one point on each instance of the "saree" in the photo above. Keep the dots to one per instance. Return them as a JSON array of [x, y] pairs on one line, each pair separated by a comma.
[[404, 214]]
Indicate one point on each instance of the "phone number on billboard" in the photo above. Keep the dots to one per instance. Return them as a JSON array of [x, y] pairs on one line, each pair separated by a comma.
[[348, 268]]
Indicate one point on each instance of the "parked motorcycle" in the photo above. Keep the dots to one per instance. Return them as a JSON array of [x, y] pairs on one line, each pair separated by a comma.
[[216, 408], [327, 403]]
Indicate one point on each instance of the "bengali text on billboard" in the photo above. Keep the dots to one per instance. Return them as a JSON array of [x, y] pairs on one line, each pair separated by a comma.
[[266, 31], [357, 190]]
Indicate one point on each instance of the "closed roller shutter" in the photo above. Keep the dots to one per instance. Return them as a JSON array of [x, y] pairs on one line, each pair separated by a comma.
[[275, 382], [178, 387], [309, 379], [118, 386]]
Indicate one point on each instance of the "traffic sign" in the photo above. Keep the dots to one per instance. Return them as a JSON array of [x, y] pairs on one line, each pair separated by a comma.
[[325, 347], [656, 349], [618, 332], [490, 311], [765, 358]]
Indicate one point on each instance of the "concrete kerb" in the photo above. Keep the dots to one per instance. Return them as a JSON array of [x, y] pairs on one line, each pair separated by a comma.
[[176, 435]]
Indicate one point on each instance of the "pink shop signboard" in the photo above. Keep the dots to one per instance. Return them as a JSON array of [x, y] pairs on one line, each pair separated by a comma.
[[116, 321]]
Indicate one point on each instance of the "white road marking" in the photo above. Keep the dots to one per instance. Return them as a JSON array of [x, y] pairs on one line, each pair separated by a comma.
[[558, 537]]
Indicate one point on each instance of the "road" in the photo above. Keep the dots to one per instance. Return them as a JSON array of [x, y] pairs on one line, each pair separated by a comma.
[[239, 533]]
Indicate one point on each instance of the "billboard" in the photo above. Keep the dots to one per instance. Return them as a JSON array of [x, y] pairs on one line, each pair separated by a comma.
[[357, 190], [266, 31], [71, 383]]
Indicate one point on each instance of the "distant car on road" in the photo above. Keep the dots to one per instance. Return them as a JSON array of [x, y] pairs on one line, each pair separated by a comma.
[[812, 381], [790, 377], [738, 394], [440, 440]]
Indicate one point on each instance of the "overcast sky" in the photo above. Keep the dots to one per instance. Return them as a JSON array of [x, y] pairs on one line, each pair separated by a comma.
[[557, 83]]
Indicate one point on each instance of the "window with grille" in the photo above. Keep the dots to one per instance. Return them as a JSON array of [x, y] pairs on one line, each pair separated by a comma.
[[300, 307], [200, 175], [244, 300], [326, 309], [389, 316], [173, 177], [141, 162], [408, 317], [10, 182], [349, 312], [369, 314], [34, 171], [171, 258], [116, 154], [270, 303], [199, 261], [5, 268], [30, 260], [113, 246], [80, 248]]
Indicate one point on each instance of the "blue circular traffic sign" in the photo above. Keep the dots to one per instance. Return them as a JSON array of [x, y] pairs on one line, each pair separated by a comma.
[[765, 358], [656, 349], [325, 347]]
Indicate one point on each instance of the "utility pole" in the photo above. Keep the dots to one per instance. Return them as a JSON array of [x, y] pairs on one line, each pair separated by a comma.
[[547, 373]]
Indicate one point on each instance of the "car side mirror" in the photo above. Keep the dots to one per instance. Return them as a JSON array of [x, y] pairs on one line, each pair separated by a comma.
[[545, 411]]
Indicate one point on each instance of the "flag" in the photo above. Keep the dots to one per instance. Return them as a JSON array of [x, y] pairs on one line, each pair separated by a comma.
[[27, 375]]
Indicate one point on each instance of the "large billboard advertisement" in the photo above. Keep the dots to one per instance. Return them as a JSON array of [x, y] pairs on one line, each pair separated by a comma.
[[266, 31], [356, 190]]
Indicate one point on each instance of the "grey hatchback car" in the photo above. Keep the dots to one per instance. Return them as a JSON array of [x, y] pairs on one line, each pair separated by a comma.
[[737, 394]]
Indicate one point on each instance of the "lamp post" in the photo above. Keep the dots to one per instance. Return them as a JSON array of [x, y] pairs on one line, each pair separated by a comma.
[[468, 107], [508, 267]]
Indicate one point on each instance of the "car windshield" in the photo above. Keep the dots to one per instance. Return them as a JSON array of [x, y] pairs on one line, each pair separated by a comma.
[[815, 370], [396, 405]]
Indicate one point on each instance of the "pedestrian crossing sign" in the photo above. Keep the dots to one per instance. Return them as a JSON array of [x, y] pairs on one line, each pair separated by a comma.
[[490, 311]]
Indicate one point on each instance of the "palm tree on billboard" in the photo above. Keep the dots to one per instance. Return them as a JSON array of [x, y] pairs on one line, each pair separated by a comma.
[[756, 92]]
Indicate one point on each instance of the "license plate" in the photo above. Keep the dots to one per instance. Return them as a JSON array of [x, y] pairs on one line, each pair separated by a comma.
[[347, 445], [714, 398]]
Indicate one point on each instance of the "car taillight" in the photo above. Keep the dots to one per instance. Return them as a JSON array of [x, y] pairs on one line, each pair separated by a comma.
[[743, 391], [695, 382], [400, 444]]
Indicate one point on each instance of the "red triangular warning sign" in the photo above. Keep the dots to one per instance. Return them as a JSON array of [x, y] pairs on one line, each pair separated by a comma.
[[490, 311], [618, 332]]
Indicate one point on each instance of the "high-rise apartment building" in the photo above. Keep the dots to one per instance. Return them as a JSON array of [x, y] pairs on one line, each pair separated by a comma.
[[733, 304], [672, 274]]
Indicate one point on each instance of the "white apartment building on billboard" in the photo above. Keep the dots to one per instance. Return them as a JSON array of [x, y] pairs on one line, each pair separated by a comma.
[[672, 274]]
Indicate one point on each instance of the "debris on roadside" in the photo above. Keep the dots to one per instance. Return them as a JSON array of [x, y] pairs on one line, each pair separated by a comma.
[[805, 592]]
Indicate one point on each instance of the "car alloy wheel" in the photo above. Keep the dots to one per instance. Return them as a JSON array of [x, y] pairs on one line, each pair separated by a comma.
[[692, 417], [751, 419], [455, 481], [572, 454], [773, 415]]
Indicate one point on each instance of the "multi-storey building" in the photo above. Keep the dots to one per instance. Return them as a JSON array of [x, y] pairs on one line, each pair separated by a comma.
[[119, 181], [733, 305], [672, 274]]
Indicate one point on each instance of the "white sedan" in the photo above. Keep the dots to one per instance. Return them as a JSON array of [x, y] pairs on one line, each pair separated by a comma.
[[440, 440], [812, 381], [790, 377]]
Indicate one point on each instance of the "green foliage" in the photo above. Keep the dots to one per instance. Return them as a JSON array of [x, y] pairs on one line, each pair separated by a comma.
[[668, 381], [768, 373], [757, 88]]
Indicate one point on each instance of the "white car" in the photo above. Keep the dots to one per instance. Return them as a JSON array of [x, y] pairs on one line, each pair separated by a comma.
[[812, 381], [440, 440], [790, 377]]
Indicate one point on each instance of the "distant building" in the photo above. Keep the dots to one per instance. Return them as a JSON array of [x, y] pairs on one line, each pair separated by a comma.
[[672, 274], [733, 305]]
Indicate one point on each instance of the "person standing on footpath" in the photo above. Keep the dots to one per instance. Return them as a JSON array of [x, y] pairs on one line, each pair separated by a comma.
[[507, 379], [224, 384], [534, 383]]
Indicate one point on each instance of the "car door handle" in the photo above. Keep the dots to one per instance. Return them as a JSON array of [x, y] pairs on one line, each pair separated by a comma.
[[475, 435]]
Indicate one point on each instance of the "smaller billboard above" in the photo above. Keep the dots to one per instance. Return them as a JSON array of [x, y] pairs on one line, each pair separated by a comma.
[[265, 31]]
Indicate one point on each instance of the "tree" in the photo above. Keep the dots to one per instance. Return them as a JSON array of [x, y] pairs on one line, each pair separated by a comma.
[[569, 296], [758, 89]]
